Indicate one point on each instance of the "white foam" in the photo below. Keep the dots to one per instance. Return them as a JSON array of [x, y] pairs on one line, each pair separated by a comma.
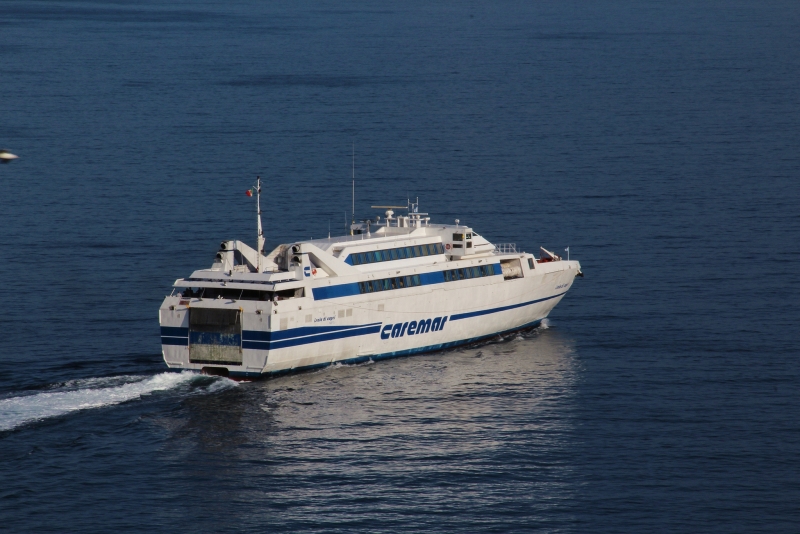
[[16, 411], [97, 382], [220, 384], [340, 365]]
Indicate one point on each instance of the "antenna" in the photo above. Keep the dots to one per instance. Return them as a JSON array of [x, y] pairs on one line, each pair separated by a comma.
[[353, 213], [260, 239]]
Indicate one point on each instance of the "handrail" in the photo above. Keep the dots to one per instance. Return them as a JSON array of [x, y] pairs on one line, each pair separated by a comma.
[[506, 248]]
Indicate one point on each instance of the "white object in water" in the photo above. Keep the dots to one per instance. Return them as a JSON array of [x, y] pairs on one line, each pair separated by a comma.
[[6, 156]]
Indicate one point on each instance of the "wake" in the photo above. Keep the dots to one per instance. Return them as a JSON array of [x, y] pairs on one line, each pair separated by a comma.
[[90, 393]]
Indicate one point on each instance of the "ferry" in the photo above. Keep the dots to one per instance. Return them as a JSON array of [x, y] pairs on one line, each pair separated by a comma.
[[395, 286]]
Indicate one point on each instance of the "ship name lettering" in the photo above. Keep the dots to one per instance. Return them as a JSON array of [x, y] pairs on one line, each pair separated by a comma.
[[413, 328]]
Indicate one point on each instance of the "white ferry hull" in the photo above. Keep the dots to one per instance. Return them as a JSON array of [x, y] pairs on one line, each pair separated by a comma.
[[308, 332]]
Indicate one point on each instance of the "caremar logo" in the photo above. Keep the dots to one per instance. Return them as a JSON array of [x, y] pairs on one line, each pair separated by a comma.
[[413, 328]]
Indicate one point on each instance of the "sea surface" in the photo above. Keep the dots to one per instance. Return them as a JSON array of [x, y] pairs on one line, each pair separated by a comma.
[[659, 141]]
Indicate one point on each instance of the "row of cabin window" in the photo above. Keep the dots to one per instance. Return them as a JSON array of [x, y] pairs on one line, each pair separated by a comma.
[[468, 272], [388, 284], [362, 258]]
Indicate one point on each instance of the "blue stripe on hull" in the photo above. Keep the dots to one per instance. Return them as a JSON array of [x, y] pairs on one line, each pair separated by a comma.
[[254, 339], [467, 315], [305, 331], [325, 336], [172, 331]]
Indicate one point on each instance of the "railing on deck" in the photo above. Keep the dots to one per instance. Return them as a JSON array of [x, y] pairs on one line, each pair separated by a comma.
[[506, 248]]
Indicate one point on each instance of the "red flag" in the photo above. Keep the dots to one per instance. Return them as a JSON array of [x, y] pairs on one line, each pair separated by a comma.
[[249, 193]]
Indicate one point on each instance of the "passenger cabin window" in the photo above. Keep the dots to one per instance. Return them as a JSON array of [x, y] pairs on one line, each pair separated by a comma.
[[469, 236], [400, 253], [387, 284], [458, 237], [530, 263], [453, 275]]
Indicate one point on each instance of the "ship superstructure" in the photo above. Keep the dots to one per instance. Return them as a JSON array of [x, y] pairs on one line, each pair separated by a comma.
[[398, 286]]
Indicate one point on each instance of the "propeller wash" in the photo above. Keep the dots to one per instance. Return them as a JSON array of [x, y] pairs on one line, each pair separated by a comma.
[[394, 287]]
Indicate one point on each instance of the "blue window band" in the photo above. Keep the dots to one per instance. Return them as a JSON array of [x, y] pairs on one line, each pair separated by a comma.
[[454, 275], [388, 284], [392, 254]]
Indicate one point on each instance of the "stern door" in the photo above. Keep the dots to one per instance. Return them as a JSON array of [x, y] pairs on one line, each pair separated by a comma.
[[215, 336]]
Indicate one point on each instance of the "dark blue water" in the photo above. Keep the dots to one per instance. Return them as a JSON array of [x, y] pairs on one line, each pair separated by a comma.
[[660, 141]]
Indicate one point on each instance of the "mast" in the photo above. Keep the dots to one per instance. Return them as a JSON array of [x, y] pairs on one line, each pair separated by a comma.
[[260, 238], [353, 212]]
